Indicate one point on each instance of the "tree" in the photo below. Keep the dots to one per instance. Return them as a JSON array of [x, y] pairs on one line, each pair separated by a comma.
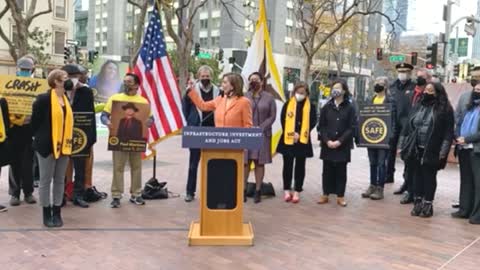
[[195, 64], [320, 20], [19, 46], [40, 40], [138, 33]]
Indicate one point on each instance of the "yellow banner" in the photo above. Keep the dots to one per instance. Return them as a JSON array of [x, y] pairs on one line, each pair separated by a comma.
[[20, 92]]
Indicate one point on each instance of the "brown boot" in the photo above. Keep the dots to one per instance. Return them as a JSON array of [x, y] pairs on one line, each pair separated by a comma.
[[323, 199], [341, 201]]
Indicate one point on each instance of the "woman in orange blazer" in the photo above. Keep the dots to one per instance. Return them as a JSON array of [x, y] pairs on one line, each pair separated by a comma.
[[232, 109]]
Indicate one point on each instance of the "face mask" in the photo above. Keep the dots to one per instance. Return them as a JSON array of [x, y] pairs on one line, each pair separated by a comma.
[[427, 98], [75, 81], [421, 81], [378, 88], [473, 82], [336, 92], [476, 97], [254, 85], [24, 73], [68, 85], [205, 82], [300, 97], [402, 76]]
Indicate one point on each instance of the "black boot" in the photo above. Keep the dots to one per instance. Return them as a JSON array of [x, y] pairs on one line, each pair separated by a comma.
[[47, 217], [258, 196], [417, 207], [407, 198], [57, 216], [427, 210]]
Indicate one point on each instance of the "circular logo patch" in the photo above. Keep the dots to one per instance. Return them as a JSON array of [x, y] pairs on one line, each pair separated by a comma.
[[113, 141], [79, 141], [374, 130]]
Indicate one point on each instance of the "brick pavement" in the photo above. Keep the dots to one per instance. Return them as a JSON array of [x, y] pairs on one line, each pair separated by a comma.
[[365, 235]]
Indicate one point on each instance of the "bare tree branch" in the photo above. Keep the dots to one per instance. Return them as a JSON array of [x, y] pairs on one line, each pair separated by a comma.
[[32, 16], [135, 3]]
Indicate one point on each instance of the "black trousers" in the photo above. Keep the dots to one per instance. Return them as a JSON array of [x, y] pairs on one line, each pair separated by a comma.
[[288, 166], [192, 171], [392, 156], [470, 184], [79, 179], [425, 180], [334, 178], [20, 174], [409, 177]]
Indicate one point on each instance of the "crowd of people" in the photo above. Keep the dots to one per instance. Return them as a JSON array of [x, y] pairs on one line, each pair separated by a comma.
[[424, 127]]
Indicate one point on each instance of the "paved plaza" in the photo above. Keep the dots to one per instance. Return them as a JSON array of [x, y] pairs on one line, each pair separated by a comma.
[[370, 235]]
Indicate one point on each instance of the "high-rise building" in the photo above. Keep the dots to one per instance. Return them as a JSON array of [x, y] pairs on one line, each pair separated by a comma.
[[476, 39], [403, 13]]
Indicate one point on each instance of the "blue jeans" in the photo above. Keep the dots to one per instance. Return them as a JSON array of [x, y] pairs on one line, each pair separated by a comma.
[[378, 166]]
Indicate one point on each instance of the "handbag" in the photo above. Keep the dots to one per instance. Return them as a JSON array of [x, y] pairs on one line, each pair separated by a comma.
[[409, 149], [155, 190]]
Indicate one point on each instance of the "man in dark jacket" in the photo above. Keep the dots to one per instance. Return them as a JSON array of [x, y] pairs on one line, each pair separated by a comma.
[[402, 92], [195, 117], [81, 100]]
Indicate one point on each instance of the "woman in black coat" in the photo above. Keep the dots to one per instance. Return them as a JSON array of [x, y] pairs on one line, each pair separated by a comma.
[[335, 132], [298, 118], [425, 144]]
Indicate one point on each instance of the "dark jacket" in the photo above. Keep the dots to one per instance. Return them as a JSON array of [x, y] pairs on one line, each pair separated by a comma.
[[298, 149], [402, 94], [133, 132], [336, 124], [191, 112], [83, 102], [42, 124], [471, 139], [4, 149], [439, 136]]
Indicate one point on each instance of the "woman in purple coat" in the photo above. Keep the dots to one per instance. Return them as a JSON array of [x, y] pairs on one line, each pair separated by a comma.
[[264, 112]]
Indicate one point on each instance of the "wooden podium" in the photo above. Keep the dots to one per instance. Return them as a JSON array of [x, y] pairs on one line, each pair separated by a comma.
[[221, 185]]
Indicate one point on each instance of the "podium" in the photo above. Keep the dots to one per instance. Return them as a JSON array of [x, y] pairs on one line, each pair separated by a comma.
[[221, 184]]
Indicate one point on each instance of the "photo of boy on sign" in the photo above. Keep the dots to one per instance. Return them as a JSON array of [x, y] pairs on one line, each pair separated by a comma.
[[128, 132]]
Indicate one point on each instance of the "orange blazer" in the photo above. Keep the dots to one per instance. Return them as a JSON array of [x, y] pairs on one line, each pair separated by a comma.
[[238, 114]]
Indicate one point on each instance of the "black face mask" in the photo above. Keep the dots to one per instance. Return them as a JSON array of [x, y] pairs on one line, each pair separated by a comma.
[[421, 81], [378, 88], [205, 82], [254, 85], [68, 85], [473, 82], [476, 96], [428, 98]]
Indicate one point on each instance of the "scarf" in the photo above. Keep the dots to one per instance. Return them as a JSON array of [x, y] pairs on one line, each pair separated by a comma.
[[62, 126], [290, 122], [3, 129], [470, 122], [417, 94]]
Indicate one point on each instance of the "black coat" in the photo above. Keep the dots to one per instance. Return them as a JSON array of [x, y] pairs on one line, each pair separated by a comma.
[[439, 137], [4, 149], [336, 124], [83, 102], [402, 94], [133, 132], [298, 149]]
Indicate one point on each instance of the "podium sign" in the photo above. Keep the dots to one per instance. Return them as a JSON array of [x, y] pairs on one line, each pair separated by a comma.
[[221, 189], [375, 125]]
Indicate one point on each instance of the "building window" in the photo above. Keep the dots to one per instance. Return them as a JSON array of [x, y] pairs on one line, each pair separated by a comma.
[[59, 42], [290, 14], [104, 49], [60, 9], [204, 42], [215, 42], [216, 4], [104, 36], [21, 5], [289, 31], [216, 23], [204, 24]]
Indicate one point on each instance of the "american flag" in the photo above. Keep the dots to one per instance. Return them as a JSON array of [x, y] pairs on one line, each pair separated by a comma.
[[159, 84]]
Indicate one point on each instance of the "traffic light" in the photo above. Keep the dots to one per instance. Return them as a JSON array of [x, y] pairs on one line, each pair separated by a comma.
[[197, 49], [456, 70], [414, 58], [220, 55], [66, 54], [231, 60], [379, 54], [92, 56], [432, 52]]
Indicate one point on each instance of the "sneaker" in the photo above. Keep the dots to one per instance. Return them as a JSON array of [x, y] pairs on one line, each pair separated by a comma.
[[377, 194], [115, 203], [137, 200], [189, 198], [30, 199], [3, 208], [14, 201], [368, 192]]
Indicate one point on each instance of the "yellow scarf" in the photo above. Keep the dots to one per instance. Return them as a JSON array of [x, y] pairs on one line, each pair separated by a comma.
[[289, 131], [3, 130], [62, 127]]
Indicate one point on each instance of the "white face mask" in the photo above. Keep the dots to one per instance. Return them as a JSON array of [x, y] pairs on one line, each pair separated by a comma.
[[300, 97], [75, 81], [402, 76]]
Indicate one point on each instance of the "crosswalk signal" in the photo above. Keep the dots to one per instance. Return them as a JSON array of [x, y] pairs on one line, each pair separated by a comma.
[[197, 49], [66, 54], [432, 52], [414, 58], [456, 70], [379, 54]]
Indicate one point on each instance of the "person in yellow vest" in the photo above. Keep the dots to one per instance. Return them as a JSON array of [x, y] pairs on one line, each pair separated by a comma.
[[130, 94], [378, 156], [4, 129], [298, 118], [52, 126]]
